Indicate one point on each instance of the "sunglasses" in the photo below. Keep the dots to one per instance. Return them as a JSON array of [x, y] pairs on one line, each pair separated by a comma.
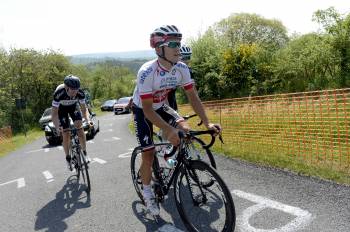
[[172, 44], [185, 57]]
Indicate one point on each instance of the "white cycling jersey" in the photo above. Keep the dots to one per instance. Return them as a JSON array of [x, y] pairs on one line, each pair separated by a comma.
[[154, 81]]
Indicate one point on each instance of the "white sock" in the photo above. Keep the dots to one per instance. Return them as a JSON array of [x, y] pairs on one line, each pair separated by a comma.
[[147, 191]]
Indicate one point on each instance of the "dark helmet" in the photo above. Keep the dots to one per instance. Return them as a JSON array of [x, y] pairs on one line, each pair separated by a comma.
[[164, 33], [72, 82]]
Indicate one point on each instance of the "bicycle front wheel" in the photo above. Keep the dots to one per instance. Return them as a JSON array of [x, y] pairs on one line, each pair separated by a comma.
[[201, 207], [83, 172]]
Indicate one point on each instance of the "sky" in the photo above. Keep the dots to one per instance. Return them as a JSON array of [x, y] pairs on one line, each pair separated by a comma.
[[94, 26]]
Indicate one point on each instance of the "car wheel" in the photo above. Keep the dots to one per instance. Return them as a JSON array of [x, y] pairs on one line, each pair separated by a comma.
[[54, 142]]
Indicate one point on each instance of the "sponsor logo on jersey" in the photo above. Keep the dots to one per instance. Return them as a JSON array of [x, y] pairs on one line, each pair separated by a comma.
[[145, 139], [68, 102], [145, 74], [173, 72], [181, 65]]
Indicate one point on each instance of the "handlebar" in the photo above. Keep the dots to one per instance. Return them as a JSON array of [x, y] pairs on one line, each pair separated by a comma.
[[191, 134], [186, 117]]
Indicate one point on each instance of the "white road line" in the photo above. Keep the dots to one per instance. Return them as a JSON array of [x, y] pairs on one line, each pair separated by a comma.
[[90, 141], [105, 131], [46, 149], [34, 151], [48, 175], [101, 161], [303, 217], [125, 155], [60, 148], [20, 182], [112, 139]]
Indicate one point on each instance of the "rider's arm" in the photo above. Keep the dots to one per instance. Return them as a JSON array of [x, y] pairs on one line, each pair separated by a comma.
[[197, 105], [54, 117], [85, 112]]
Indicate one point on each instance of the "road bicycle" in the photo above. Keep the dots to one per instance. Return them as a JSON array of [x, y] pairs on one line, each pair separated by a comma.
[[202, 198], [198, 147], [78, 159]]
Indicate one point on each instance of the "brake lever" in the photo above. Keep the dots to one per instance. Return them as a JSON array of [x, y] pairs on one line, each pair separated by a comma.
[[220, 137]]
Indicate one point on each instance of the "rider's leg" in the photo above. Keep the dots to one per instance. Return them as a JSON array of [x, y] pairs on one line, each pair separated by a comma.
[[65, 142], [82, 138], [143, 129], [146, 166], [64, 123], [146, 176]]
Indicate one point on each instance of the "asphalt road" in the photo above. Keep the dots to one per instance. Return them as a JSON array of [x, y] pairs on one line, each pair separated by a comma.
[[38, 193]]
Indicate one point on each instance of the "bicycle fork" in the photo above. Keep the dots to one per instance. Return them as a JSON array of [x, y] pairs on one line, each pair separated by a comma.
[[199, 199]]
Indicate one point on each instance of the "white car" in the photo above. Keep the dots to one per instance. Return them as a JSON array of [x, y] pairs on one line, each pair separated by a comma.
[[122, 106]]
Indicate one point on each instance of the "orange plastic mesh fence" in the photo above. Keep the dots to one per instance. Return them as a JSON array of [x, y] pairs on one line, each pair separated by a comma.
[[5, 134], [310, 127]]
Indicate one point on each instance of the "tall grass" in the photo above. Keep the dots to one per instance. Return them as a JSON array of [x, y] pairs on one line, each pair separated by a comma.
[[306, 133]]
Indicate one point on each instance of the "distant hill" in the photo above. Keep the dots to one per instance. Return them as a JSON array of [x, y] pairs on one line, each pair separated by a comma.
[[132, 59], [123, 56]]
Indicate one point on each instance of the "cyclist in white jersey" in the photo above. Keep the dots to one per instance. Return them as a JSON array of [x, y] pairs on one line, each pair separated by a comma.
[[154, 81]]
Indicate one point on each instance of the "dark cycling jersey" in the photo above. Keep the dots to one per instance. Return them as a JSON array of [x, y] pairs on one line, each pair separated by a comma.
[[67, 106]]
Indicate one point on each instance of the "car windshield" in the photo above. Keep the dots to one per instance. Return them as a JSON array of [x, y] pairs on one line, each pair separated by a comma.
[[109, 102], [47, 112], [123, 100]]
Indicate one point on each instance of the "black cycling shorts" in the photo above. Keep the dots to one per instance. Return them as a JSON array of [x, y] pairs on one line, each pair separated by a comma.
[[144, 127], [64, 112]]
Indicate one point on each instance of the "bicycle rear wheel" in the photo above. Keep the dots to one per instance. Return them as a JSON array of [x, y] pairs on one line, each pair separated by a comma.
[[203, 208], [83, 172], [135, 164]]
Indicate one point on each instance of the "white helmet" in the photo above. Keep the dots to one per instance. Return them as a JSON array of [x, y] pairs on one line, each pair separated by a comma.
[[164, 33], [185, 51]]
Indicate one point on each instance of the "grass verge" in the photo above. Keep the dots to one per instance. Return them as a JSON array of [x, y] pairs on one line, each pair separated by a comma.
[[19, 140]]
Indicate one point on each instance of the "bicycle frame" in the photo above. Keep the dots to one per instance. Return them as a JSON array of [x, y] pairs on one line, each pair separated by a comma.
[[182, 160]]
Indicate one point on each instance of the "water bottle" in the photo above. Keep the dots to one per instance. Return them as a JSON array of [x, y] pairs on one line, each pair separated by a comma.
[[171, 162], [166, 163], [161, 159]]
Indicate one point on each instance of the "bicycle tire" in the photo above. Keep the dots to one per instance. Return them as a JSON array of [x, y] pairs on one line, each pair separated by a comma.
[[135, 171], [83, 168], [184, 195]]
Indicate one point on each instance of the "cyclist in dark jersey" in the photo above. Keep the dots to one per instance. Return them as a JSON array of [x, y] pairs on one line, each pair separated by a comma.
[[186, 53], [69, 101]]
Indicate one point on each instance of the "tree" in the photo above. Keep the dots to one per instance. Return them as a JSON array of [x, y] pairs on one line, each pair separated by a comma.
[[307, 63], [338, 27], [246, 28]]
